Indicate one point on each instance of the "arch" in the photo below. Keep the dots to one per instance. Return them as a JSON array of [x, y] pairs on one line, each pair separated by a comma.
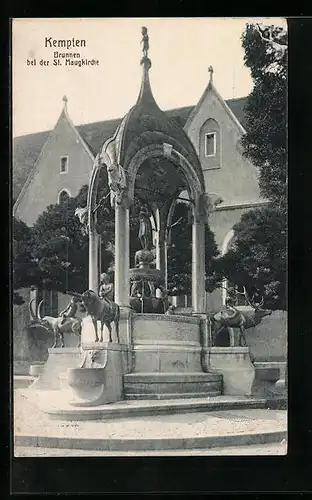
[[225, 246], [92, 193], [63, 195], [157, 151], [210, 150]]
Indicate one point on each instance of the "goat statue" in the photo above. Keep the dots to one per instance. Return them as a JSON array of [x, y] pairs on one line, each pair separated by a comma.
[[242, 317], [100, 309], [57, 325]]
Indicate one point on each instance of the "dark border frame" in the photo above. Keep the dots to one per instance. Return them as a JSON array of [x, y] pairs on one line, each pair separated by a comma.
[[185, 475]]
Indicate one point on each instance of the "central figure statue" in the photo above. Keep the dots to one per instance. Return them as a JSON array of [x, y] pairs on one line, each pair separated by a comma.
[[145, 230], [106, 288]]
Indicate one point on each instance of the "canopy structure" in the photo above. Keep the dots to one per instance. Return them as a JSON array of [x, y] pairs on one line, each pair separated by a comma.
[[153, 157]]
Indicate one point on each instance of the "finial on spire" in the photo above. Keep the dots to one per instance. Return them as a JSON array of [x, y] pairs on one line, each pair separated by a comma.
[[210, 70], [64, 99], [145, 41]]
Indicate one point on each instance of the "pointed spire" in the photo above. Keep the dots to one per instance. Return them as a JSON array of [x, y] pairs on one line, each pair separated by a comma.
[[145, 92], [64, 99], [210, 70]]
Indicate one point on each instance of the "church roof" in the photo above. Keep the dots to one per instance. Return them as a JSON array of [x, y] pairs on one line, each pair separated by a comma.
[[26, 148]]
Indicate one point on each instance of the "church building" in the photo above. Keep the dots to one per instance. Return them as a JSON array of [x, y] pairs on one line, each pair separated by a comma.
[[51, 165]]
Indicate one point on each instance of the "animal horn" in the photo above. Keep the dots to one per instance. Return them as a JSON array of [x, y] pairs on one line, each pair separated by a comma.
[[256, 304], [31, 311], [39, 310], [241, 293], [246, 297]]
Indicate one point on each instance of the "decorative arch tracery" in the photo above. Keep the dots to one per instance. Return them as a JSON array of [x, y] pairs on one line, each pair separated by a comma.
[[63, 195]]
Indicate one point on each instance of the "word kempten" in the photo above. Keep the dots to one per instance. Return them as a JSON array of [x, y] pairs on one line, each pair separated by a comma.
[[68, 44]]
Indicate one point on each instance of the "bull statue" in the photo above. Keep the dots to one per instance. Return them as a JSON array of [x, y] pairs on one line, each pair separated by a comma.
[[242, 317], [103, 310], [57, 325]]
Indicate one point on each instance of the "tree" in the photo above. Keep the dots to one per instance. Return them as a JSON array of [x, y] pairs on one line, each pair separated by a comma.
[[265, 139], [24, 267], [258, 257], [180, 251], [60, 247]]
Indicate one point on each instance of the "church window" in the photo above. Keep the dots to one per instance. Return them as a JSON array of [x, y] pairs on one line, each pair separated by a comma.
[[63, 196], [210, 144], [64, 164]]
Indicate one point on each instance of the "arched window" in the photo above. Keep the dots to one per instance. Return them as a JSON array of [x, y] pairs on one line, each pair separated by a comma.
[[63, 196], [210, 144]]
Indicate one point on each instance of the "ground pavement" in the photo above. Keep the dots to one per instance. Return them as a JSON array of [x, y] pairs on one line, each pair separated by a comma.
[[204, 432]]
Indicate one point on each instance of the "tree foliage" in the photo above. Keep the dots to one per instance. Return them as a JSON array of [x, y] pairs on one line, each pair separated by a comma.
[[257, 259], [180, 251], [24, 267], [265, 139], [53, 254], [60, 247]]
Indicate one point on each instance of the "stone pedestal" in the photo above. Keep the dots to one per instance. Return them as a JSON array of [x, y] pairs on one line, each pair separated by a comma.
[[58, 361], [236, 368], [269, 377], [36, 369], [167, 359], [102, 381]]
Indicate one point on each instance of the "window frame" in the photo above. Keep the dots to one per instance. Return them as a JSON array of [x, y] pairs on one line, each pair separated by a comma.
[[214, 134], [67, 161], [64, 190]]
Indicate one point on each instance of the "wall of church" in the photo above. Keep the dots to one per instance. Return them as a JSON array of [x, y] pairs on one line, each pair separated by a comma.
[[48, 180], [221, 223], [231, 176]]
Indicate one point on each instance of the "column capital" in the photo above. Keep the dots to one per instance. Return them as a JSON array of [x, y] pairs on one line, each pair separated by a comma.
[[123, 201]]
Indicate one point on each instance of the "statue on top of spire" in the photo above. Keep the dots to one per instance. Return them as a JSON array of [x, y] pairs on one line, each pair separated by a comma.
[[145, 41]]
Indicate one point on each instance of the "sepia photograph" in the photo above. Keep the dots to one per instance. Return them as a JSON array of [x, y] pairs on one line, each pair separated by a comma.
[[149, 236]]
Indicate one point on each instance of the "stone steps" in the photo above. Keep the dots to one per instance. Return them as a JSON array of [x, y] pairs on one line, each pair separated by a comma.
[[275, 448], [150, 444], [56, 405], [22, 381], [171, 385]]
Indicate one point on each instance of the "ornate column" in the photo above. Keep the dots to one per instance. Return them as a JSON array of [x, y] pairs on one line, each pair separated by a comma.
[[161, 246], [198, 259], [93, 260], [122, 253], [198, 267]]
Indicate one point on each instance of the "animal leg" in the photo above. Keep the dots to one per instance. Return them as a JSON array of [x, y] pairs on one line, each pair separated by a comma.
[[215, 333], [101, 332], [231, 336], [94, 321], [62, 339], [109, 330], [55, 338], [117, 330], [77, 331], [242, 337]]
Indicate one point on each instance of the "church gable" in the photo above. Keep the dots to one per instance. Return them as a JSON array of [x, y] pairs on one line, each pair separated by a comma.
[[216, 133], [64, 165]]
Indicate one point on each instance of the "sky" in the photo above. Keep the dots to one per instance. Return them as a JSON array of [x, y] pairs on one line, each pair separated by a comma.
[[181, 50]]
